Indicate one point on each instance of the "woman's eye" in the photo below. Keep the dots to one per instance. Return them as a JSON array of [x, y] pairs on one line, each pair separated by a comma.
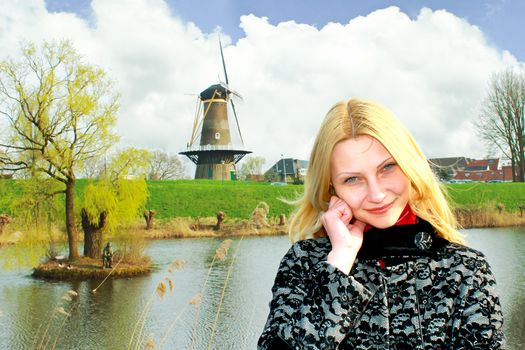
[[351, 180], [389, 166]]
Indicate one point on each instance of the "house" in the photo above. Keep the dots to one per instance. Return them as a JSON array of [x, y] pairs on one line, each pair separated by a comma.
[[452, 164], [289, 169], [488, 170]]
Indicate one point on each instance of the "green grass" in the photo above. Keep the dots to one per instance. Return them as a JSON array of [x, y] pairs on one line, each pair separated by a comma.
[[204, 198], [191, 198], [476, 195]]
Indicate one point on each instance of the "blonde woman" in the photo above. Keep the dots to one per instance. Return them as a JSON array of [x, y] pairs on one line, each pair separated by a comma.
[[377, 261]]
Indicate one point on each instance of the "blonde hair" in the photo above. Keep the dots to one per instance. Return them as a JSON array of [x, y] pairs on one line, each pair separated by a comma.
[[355, 117]]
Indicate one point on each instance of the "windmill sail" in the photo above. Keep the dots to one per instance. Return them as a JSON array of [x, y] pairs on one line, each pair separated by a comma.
[[215, 156]]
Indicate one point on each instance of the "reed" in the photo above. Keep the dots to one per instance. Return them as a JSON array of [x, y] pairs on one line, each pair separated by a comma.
[[488, 216], [42, 340], [137, 336], [220, 254], [172, 324], [61, 328], [214, 327]]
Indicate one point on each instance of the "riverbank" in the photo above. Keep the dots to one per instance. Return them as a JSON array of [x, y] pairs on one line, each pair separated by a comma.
[[206, 227], [90, 269], [487, 217], [204, 198]]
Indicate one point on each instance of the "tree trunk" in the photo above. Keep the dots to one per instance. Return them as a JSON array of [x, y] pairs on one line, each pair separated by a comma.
[[4, 220], [220, 219], [70, 220], [282, 220], [513, 165], [93, 235], [521, 159], [148, 216]]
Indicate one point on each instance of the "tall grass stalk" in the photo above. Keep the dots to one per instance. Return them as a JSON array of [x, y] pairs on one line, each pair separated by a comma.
[[45, 338], [159, 290], [220, 254], [139, 322], [214, 327], [168, 330], [198, 308], [61, 328]]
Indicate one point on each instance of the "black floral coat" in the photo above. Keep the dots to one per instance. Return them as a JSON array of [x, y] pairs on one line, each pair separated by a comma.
[[408, 289]]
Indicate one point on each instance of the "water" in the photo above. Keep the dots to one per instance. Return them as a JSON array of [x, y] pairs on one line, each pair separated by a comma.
[[106, 319]]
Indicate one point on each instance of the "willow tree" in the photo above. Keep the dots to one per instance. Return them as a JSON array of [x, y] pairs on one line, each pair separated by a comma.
[[115, 199], [57, 112]]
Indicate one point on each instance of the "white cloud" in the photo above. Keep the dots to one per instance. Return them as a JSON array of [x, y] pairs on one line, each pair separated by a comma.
[[431, 71]]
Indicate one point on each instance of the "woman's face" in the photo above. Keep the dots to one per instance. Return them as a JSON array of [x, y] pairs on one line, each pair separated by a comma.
[[368, 179]]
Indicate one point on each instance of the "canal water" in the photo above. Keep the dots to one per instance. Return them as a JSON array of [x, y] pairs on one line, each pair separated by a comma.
[[233, 305]]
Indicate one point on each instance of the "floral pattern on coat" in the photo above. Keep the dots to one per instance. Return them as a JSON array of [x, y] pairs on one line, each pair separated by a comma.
[[446, 301]]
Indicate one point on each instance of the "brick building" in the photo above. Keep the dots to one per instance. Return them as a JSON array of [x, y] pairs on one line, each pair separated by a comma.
[[487, 170]]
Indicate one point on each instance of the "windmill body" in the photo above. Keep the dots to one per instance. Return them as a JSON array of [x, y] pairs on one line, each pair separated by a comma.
[[212, 149]]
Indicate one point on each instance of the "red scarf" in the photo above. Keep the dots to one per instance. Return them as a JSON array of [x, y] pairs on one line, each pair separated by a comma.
[[407, 217]]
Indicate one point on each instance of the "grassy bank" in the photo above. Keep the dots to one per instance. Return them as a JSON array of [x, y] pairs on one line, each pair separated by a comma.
[[192, 198], [479, 195], [203, 198]]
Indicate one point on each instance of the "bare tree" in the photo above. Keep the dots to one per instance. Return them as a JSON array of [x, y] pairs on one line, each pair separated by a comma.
[[164, 166], [251, 165], [501, 122]]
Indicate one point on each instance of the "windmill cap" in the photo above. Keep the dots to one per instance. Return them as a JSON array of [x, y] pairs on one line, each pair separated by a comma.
[[217, 89]]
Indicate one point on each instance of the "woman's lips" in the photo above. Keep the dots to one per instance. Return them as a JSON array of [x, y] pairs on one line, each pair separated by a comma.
[[381, 210]]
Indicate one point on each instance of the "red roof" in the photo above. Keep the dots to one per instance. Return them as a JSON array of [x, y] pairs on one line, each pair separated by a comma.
[[504, 174], [490, 164]]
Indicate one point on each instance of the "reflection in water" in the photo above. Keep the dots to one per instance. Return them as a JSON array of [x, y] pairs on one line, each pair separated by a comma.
[[106, 319], [505, 251]]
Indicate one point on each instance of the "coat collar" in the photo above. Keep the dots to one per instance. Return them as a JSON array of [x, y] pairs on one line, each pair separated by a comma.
[[401, 241]]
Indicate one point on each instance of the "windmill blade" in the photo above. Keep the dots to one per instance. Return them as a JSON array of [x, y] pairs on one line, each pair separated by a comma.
[[230, 90], [223, 63], [237, 121]]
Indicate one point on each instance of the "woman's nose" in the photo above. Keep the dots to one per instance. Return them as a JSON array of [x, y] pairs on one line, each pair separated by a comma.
[[376, 194]]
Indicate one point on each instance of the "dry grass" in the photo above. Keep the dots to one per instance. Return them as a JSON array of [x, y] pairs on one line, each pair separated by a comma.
[[10, 237], [487, 217], [16, 231], [203, 227]]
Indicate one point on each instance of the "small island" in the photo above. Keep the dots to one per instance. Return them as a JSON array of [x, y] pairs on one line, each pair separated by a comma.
[[89, 269]]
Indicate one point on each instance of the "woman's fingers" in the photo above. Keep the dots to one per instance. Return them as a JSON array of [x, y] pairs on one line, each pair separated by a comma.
[[341, 208], [356, 226]]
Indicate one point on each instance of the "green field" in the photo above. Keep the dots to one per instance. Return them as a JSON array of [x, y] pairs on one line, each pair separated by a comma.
[[194, 198], [202, 198], [479, 194]]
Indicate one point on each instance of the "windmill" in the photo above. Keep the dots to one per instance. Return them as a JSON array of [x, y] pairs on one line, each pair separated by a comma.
[[213, 152]]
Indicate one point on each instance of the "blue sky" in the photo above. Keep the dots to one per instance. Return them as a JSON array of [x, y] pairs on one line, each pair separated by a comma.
[[430, 62], [500, 20]]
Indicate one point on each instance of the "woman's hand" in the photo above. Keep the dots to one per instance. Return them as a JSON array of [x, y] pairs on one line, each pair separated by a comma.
[[346, 238]]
